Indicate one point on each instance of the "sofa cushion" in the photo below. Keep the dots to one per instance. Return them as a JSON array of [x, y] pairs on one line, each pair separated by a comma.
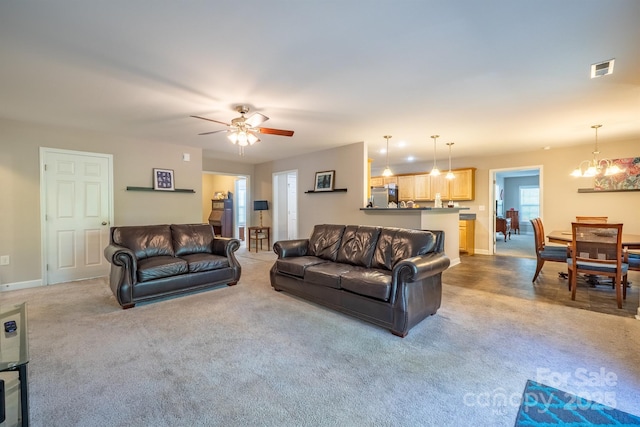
[[205, 262], [325, 240], [158, 267], [192, 238], [358, 244], [326, 274], [367, 282], [396, 244], [297, 266], [145, 241]]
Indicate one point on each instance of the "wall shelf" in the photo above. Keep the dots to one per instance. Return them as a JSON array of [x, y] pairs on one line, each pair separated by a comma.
[[593, 190], [177, 190], [335, 190]]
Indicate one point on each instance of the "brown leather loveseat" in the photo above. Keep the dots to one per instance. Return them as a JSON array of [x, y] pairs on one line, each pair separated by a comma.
[[388, 276], [154, 261]]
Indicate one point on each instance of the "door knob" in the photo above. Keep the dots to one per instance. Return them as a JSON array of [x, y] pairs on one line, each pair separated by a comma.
[[104, 222]]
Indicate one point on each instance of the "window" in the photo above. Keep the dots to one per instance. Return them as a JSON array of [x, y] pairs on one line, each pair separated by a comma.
[[241, 199], [529, 202]]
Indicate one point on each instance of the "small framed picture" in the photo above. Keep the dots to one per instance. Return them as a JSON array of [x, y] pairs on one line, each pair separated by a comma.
[[163, 179], [324, 181]]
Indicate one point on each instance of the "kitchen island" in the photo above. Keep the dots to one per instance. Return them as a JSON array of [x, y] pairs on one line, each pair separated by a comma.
[[445, 219]]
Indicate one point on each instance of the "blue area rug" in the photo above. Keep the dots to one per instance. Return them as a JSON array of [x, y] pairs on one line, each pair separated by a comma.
[[547, 406]]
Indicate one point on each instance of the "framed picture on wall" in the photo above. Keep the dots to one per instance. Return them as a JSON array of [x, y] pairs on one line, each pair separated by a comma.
[[163, 179], [324, 181]]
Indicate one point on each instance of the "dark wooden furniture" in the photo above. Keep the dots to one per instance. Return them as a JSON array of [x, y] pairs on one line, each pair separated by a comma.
[[629, 241], [503, 225], [259, 234], [596, 249], [515, 220], [544, 252], [221, 217]]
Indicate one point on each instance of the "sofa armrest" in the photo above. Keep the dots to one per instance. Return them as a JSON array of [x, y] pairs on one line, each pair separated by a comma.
[[225, 246], [122, 276], [420, 267], [121, 256], [291, 248]]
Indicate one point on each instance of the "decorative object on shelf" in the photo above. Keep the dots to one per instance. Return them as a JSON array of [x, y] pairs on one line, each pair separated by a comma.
[[163, 179], [243, 130], [387, 170], [324, 181], [260, 205], [435, 171], [596, 166], [450, 174]]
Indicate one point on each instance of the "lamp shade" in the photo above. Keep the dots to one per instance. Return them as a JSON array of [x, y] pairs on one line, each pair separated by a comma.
[[260, 205]]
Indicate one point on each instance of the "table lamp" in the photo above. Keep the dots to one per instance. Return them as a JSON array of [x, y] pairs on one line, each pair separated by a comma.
[[260, 205]]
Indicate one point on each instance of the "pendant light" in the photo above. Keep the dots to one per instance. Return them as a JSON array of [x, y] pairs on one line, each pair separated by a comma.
[[435, 171], [387, 170], [450, 174]]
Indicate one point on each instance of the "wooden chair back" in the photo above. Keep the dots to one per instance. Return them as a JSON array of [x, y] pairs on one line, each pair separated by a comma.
[[592, 219], [597, 249]]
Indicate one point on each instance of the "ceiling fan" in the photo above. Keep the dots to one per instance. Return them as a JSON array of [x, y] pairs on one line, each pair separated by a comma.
[[243, 130]]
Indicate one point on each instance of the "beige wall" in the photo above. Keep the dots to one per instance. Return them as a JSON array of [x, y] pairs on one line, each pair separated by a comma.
[[133, 161]]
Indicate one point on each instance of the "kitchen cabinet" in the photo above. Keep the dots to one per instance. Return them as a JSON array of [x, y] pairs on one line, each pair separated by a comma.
[[376, 181], [406, 187], [467, 236], [423, 187]]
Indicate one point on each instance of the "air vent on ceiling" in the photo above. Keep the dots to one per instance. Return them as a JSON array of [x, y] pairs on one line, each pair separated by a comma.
[[602, 68]]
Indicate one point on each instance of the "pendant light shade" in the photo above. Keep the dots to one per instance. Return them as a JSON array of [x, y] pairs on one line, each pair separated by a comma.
[[387, 170], [435, 171]]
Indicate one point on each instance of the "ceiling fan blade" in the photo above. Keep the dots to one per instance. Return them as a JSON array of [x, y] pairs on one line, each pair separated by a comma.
[[275, 131], [215, 131], [211, 120], [256, 119]]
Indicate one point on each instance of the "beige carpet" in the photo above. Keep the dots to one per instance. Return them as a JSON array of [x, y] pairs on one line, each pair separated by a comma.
[[249, 356]]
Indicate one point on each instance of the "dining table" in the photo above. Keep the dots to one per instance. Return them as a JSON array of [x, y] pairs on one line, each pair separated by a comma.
[[630, 241]]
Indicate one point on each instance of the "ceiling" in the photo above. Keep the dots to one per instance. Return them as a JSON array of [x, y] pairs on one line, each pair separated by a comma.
[[490, 76]]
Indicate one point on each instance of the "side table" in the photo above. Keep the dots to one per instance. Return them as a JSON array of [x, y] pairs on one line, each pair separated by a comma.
[[14, 356], [259, 233]]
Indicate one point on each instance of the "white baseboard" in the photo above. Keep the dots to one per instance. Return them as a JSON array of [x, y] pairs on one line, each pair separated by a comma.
[[20, 285]]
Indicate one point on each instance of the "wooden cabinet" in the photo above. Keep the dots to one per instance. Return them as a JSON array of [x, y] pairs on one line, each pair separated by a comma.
[[467, 236], [406, 187], [422, 187], [515, 221], [221, 217], [440, 184], [463, 187], [376, 181]]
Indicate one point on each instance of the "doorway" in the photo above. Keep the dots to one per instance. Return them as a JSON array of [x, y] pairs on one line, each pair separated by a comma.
[[285, 205], [517, 198], [237, 187], [76, 199]]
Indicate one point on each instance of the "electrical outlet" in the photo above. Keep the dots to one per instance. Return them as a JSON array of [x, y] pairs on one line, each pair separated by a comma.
[[4, 260]]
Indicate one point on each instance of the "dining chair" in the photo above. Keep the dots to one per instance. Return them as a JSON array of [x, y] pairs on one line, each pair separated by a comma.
[[596, 249], [544, 252], [594, 219]]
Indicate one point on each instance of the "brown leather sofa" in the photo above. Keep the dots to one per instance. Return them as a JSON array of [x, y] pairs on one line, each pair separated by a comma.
[[391, 277], [154, 261]]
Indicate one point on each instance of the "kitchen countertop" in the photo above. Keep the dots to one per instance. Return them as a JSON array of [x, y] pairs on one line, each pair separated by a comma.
[[467, 216]]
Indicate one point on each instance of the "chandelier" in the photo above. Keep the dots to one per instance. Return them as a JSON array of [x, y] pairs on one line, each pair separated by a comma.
[[387, 170], [595, 166]]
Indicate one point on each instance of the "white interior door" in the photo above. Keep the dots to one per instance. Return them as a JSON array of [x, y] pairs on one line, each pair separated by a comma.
[[77, 214], [292, 206]]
